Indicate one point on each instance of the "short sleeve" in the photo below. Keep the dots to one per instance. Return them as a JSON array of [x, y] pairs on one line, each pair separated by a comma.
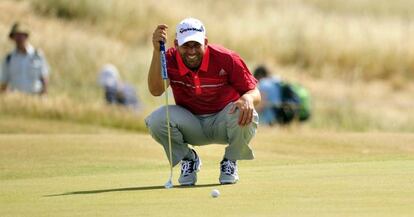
[[240, 77], [45, 65]]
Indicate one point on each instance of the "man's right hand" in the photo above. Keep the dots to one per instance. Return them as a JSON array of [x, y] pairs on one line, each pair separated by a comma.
[[160, 34], [155, 82]]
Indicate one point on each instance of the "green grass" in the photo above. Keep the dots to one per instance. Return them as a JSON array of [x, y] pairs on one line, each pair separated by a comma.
[[107, 173]]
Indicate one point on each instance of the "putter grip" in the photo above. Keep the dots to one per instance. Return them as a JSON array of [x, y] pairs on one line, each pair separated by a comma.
[[164, 73]]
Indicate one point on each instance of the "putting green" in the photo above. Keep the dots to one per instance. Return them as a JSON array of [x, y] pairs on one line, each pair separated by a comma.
[[294, 174]]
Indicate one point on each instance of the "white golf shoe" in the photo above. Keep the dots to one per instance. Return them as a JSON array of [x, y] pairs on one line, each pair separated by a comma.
[[228, 172], [189, 169]]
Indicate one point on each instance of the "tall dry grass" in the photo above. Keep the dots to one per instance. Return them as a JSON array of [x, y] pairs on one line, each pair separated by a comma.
[[331, 40], [356, 39], [365, 39], [65, 109]]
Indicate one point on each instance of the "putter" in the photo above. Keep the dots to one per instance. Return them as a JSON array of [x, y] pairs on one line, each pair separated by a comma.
[[164, 75]]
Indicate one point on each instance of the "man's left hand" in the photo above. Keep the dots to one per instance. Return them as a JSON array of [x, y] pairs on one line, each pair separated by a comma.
[[246, 108]]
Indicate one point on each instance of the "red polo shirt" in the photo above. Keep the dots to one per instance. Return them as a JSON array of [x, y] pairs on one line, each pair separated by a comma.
[[222, 78]]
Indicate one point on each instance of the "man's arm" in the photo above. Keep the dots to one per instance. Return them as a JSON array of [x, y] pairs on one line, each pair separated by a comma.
[[263, 103], [255, 95], [246, 105], [4, 75], [155, 82], [44, 82]]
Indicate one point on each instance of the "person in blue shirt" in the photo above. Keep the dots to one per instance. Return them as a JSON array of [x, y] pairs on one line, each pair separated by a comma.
[[269, 87]]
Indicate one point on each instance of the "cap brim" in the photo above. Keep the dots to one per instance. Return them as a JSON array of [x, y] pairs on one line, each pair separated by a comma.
[[199, 37], [12, 33]]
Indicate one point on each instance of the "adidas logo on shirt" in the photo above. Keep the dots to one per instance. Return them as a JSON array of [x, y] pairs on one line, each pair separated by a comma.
[[222, 72]]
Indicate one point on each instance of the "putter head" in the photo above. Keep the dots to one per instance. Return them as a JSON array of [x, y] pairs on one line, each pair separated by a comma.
[[168, 184]]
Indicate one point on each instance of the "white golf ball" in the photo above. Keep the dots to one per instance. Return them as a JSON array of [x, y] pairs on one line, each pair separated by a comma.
[[215, 193]]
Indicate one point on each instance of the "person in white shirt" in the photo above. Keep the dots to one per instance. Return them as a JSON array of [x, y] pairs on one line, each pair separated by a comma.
[[25, 69], [118, 92]]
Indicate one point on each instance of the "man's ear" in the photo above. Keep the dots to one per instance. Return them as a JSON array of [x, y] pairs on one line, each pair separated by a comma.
[[176, 43], [205, 41]]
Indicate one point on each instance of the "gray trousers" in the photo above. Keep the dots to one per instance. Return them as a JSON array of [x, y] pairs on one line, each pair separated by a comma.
[[197, 130]]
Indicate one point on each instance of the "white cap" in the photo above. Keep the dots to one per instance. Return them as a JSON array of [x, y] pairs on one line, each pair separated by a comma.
[[190, 29], [109, 76]]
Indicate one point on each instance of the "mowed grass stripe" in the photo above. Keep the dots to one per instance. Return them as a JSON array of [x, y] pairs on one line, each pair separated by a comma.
[[339, 189], [27, 156], [294, 174]]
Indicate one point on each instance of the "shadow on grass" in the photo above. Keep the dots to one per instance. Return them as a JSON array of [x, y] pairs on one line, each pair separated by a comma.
[[129, 189]]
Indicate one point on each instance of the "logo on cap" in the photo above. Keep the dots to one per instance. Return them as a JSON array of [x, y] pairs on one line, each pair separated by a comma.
[[201, 29], [190, 29]]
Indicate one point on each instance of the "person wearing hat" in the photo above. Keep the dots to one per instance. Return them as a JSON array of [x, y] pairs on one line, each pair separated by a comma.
[[25, 69], [215, 96]]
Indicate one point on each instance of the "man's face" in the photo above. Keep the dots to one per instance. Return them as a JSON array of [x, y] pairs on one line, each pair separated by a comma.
[[192, 54], [20, 38]]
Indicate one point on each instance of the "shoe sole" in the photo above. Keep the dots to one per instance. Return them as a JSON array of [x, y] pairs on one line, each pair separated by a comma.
[[228, 182], [185, 185]]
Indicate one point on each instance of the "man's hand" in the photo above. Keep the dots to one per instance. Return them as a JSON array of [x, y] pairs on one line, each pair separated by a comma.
[[44, 86], [246, 108], [155, 82], [246, 104], [160, 34]]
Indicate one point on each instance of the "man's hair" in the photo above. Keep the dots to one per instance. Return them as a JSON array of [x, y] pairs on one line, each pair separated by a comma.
[[260, 72]]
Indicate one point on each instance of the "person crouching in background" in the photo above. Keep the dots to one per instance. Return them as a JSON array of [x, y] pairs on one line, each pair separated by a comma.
[[282, 102], [116, 91]]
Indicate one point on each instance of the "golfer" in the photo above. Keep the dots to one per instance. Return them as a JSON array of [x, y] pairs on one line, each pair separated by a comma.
[[215, 95]]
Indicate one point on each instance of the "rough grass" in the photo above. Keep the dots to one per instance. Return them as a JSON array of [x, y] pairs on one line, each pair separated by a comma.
[[63, 109], [328, 46], [294, 174], [369, 39], [32, 125]]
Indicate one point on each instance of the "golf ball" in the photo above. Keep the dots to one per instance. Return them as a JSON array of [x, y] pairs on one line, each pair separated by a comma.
[[215, 193]]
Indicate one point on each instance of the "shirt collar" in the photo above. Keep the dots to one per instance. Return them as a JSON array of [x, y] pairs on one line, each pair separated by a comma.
[[29, 49], [182, 68]]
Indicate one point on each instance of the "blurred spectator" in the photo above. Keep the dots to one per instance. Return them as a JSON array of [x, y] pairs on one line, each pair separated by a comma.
[[282, 102], [269, 88], [25, 69], [116, 91]]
